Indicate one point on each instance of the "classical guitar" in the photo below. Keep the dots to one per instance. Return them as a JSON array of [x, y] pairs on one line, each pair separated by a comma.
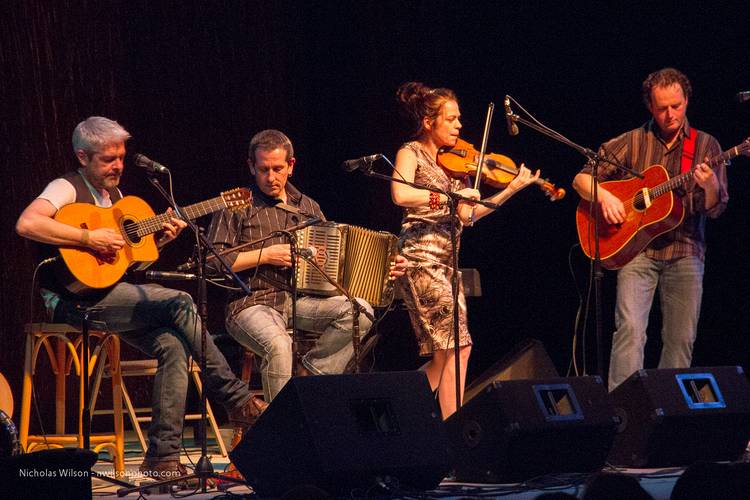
[[85, 270], [6, 396], [651, 209]]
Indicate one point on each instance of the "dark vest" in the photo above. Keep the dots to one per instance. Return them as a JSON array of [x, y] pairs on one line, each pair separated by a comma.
[[83, 195], [48, 275]]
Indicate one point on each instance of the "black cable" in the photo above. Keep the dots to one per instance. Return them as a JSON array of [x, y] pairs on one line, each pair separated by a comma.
[[580, 309]]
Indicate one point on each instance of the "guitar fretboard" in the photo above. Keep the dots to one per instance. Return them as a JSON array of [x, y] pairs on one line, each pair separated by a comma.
[[155, 223], [682, 179]]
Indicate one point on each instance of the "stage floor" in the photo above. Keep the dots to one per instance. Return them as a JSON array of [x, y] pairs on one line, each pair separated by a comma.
[[658, 483]]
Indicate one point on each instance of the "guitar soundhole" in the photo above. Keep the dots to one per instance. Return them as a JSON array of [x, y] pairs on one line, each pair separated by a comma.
[[638, 203], [130, 231]]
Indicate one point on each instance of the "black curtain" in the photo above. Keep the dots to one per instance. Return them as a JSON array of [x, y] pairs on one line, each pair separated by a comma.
[[193, 81]]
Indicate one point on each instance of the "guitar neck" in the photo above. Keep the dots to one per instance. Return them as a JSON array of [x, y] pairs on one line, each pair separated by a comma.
[[682, 179], [190, 212]]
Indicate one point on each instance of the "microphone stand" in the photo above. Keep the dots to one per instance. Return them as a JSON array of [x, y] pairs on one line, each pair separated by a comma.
[[296, 341], [454, 199], [204, 470], [289, 234], [595, 160], [357, 309]]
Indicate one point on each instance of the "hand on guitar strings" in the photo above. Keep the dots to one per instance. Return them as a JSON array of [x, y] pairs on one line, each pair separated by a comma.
[[170, 230], [612, 208], [105, 241], [705, 178]]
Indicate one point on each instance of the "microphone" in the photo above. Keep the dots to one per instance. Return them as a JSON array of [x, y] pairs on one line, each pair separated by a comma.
[[364, 163], [512, 127], [307, 252], [152, 166], [169, 275], [743, 96], [185, 266]]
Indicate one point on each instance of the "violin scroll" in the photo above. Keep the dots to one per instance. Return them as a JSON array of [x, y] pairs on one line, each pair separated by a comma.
[[553, 192]]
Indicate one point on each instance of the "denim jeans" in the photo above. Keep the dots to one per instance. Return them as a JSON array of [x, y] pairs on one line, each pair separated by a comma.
[[680, 284], [263, 330], [164, 324]]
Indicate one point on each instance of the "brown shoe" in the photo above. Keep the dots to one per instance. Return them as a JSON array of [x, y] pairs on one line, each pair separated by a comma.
[[231, 473], [152, 468], [246, 415]]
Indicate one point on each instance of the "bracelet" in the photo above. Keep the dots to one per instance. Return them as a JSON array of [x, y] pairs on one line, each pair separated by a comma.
[[435, 201], [85, 237]]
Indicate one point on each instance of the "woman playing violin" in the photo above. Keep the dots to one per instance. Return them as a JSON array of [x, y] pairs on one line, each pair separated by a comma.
[[425, 239]]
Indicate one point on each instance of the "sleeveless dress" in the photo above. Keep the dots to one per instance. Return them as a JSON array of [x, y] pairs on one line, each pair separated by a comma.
[[426, 244]]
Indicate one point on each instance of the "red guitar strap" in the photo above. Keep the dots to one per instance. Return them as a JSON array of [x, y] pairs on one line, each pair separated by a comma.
[[688, 151]]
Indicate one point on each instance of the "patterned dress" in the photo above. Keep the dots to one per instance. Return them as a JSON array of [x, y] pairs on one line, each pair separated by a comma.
[[425, 242]]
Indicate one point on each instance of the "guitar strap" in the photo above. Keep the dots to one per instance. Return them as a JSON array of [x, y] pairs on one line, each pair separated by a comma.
[[688, 151]]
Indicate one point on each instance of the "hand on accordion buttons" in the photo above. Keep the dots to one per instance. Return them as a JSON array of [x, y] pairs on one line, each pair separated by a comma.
[[398, 267], [277, 255]]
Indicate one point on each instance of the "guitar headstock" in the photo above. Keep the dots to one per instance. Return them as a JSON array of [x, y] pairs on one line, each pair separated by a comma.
[[744, 147], [237, 198]]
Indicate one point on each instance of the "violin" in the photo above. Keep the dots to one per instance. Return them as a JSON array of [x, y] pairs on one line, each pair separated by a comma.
[[498, 170]]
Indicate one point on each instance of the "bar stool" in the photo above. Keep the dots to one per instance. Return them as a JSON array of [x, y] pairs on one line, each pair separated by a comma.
[[62, 344], [147, 368]]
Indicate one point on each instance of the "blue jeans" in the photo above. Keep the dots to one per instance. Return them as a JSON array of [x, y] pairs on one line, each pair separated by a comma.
[[263, 330], [680, 284], [164, 324]]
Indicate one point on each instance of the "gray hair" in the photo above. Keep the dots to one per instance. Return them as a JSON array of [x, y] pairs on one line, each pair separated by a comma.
[[268, 140], [95, 132]]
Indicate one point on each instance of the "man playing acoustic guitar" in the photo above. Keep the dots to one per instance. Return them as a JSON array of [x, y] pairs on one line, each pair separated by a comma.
[[673, 261], [161, 322]]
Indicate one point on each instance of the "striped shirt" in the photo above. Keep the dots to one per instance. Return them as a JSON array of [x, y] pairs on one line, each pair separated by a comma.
[[271, 285], [641, 148]]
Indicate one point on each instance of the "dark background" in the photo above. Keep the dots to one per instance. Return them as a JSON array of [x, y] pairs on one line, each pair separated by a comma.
[[194, 80]]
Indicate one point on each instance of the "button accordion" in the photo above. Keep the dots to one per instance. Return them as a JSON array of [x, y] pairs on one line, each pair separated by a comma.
[[358, 259]]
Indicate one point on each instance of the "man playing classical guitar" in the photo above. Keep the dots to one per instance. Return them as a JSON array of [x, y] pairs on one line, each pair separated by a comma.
[[672, 262], [161, 322]]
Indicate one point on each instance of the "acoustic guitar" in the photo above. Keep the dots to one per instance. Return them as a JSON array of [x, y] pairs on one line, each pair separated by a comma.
[[6, 396], [651, 209], [85, 270]]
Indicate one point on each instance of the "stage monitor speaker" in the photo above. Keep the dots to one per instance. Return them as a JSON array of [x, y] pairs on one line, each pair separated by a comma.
[[527, 360], [342, 432], [55, 474], [674, 417], [517, 429]]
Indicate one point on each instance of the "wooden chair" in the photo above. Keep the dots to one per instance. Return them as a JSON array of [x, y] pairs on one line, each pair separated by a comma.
[[147, 368], [62, 344]]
